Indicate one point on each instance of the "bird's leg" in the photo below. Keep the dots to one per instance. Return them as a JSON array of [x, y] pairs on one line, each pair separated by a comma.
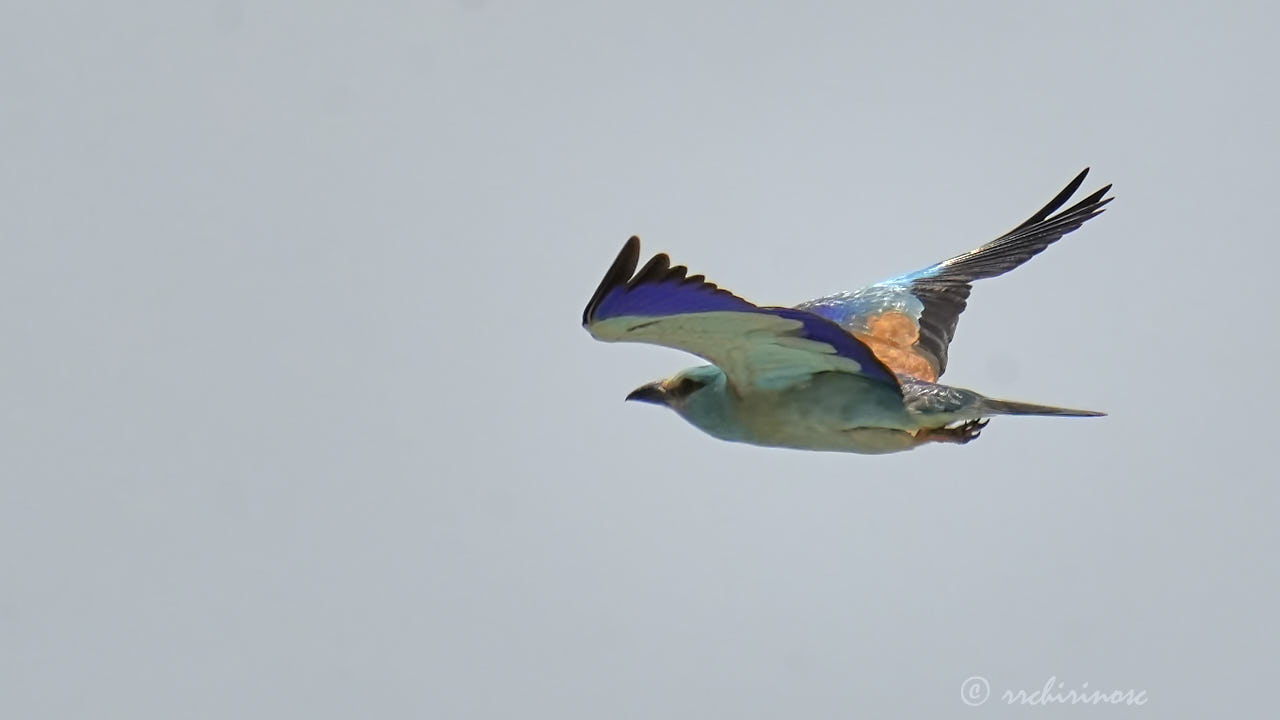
[[959, 434]]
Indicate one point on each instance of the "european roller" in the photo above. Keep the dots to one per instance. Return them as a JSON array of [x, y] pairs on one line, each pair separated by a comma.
[[851, 372]]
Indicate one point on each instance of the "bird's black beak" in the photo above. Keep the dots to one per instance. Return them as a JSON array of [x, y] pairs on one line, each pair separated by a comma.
[[651, 393]]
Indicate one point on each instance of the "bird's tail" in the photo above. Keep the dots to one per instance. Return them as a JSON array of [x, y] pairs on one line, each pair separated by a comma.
[[1007, 407]]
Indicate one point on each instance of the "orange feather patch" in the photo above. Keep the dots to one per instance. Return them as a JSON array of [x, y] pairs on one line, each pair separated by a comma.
[[892, 337]]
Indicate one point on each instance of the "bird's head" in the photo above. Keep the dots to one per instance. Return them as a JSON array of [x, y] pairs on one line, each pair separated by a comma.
[[699, 395], [681, 390]]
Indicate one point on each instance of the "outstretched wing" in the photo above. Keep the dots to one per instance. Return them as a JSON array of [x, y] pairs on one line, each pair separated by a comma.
[[758, 348], [909, 321]]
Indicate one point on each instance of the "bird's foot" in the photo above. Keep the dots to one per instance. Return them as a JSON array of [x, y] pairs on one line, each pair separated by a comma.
[[959, 434]]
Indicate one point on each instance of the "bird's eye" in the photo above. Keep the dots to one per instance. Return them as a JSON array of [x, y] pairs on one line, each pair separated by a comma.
[[686, 387]]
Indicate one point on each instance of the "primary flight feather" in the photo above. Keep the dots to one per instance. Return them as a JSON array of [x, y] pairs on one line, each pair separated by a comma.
[[852, 372]]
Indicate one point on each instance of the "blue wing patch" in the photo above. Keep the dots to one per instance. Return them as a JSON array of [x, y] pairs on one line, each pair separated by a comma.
[[660, 291], [657, 290]]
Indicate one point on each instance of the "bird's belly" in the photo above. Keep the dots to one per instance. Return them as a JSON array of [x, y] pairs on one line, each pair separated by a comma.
[[824, 437], [839, 416]]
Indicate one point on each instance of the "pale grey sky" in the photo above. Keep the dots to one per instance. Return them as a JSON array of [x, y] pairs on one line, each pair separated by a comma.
[[298, 419]]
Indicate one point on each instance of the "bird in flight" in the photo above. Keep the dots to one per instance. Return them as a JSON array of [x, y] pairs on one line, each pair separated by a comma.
[[851, 372]]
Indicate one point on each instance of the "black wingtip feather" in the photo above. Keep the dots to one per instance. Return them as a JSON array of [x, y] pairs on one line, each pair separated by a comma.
[[1058, 201], [655, 269], [618, 274], [1094, 198]]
